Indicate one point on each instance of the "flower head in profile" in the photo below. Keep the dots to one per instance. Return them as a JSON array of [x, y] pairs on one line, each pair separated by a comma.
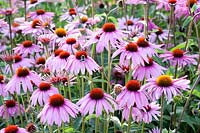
[[97, 101], [127, 22], [164, 84], [179, 57], [61, 109], [131, 95], [42, 93], [81, 62], [150, 111], [13, 129], [10, 109], [41, 14], [154, 130], [23, 77]]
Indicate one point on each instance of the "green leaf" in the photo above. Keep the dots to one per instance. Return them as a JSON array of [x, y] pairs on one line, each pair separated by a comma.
[[194, 8], [116, 121], [77, 123], [187, 21], [90, 117], [182, 45], [113, 19]]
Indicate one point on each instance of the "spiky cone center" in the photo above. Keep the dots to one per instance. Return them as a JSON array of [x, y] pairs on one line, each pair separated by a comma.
[[27, 43], [17, 58], [10, 103], [22, 72], [71, 41], [159, 31], [64, 55], [11, 129], [33, 1], [57, 52], [15, 24], [132, 47], [36, 23], [31, 128], [81, 55], [129, 22], [60, 32], [133, 85], [149, 63], [191, 2], [178, 53], [1, 79], [84, 19], [40, 60], [96, 93], [44, 86], [164, 81], [141, 42], [171, 1], [40, 12], [56, 100], [109, 27], [72, 11]]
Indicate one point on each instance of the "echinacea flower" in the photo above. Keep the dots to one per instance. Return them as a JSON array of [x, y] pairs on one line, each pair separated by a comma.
[[127, 23], [149, 70], [13, 129], [10, 109], [164, 84], [131, 53], [154, 130], [96, 101], [160, 34], [23, 77], [136, 2], [71, 14], [8, 11], [131, 95], [69, 44], [41, 14], [81, 62], [27, 48], [179, 57], [42, 93], [150, 111], [61, 109]]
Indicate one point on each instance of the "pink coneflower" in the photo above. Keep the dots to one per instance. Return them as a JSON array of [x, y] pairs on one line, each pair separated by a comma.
[[8, 11], [81, 62], [3, 26], [160, 34], [154, 130], [42, 93], [109, 35], [136, 2], [71, 14], [164, 84], [149, 70], [32, 3], [140, 25], [40, 61], [179, 57], [127, 22], [27, 48], [41, 14], [130, 52], [150, 111], [23, 77], [146, 47], [60, 107], [47, 40], [10, 109], [131, 95], [2, 86], [60, 62], [96, 101], [69, 45], [13, 129], [163, 4], [136, 113]]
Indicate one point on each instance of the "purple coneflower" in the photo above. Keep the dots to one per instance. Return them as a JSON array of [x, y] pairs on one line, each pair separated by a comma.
[[10, 109], [42, 93], [131, 95], [160, 34], [27, 48], [150, 111], [23, 77], [164, 84], [41, 14], [154, 130], [127, 22], [69, 45], [179, 57], [97, 101], [149, 70], [60, 107], [13, 129], [130, 52], [81, 62]]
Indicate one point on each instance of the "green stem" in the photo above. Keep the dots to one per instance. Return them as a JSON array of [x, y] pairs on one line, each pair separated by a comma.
[[146, 20], [170, 24], [69, 88], [83, 125], [143, 124], [82, 86], [102, 73], [10, 32], [25, 10], [22, 122], [161, 115], [109, 69], [58, 129], [96, 124], [129, 120], [50, 129]]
